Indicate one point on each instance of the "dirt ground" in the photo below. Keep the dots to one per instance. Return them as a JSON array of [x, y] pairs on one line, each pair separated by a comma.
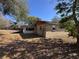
[[18, 48], [10, 35], [61, 35]]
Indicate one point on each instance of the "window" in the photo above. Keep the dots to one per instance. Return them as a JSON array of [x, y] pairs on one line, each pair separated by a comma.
[[29, 29]]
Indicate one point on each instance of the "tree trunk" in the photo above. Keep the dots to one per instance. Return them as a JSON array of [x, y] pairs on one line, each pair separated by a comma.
[[78, 35], [75, 19], [78, 40]]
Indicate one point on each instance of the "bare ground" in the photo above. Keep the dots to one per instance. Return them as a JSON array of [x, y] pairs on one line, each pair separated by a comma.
[[52, 48], [61, 35], [10, 35]]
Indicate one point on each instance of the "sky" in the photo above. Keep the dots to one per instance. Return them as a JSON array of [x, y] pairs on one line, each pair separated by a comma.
[[11, 18], [44, 9]]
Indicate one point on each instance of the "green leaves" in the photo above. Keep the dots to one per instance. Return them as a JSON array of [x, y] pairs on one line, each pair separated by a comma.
[[65, 19], [70, 27], [21, 10], [15, 7], [68, 12], [32, 19], [63, 7]]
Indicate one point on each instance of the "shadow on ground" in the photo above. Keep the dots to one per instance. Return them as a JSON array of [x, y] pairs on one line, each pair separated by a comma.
[[47, 49], [27, 36]]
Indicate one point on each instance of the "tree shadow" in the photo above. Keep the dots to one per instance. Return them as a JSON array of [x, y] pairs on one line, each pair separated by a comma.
[[27, 36], [47, 49]]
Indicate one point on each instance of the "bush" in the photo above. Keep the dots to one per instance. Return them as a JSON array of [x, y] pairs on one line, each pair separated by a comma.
[[14, 26], [70, 27]]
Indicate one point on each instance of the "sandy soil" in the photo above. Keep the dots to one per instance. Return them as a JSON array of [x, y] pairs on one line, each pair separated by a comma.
[[48, 49], [9, 36], [61, 35]]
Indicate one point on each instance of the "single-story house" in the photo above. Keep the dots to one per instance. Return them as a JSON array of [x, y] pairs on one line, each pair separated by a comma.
[[38, 28], [52, 26]]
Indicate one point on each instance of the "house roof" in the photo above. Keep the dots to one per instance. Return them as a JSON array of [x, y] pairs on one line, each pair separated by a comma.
[[23, 24], [41, 22]]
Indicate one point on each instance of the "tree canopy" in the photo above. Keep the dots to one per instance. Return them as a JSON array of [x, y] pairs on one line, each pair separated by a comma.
[[69, 10], [15, 7], [33, 19]]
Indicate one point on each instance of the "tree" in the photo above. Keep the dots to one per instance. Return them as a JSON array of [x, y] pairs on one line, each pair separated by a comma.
[[17, 8], [69, 26], [21, 10], [33, 19], [70, 9], [3, 22]]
